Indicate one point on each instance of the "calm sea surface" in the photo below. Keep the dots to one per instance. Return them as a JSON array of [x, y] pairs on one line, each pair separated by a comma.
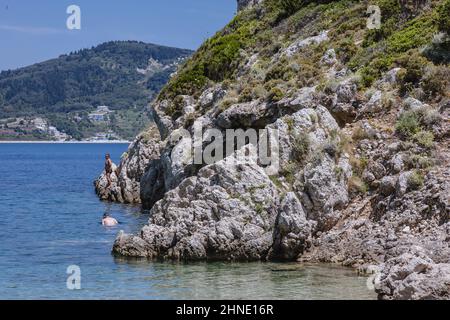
[[50, 220]]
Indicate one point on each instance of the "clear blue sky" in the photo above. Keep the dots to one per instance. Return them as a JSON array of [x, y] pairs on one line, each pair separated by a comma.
[[33, 31]]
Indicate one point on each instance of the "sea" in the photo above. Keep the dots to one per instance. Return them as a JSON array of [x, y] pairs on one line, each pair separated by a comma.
[[53, 246]]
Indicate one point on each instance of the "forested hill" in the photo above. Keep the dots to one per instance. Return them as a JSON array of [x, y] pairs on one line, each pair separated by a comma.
[[122, 75]]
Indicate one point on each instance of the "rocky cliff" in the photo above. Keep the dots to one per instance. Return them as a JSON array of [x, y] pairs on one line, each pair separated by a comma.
[[361, 117]]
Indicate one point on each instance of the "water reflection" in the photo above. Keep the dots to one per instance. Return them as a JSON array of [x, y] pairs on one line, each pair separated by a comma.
[[219, 280]]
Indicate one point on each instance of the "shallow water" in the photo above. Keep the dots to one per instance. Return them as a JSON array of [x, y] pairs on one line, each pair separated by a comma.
[[50, 219]]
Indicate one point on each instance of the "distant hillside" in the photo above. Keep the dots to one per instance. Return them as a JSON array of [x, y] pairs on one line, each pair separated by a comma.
[[122, 75]]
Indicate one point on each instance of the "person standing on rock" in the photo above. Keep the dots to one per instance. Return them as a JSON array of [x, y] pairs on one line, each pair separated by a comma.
[[108, 169]]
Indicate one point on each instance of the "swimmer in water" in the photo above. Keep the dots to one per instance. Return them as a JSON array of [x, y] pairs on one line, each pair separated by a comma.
[[108, 221]]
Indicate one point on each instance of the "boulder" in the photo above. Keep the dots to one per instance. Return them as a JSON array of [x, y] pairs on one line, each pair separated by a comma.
[[301, 43], [314, 124], [325, 190], [112, 192], [414, 276], [244, 4], [246, 115], [375, 103], [391, 76], [226, 212], [152, 186], [412, 104], [127, 177], [329, 58], [210, 97], [292, 230], [387, 186], [402, 183]]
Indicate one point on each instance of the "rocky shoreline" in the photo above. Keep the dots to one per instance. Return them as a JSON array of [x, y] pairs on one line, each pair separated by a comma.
[[353, 187]]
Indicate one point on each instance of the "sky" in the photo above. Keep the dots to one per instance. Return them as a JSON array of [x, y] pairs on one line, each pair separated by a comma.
[[34, 31]]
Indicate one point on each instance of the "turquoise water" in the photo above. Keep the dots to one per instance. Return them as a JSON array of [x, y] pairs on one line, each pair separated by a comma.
[[50, 219]]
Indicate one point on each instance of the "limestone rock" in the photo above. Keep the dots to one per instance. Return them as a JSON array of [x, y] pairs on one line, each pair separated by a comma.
[[387, 186], [329, 58], [109, 193], [297, 45], [326, 190], [126, 179], [245, 115], [414, 276], [292, 230], [244, 4], [413, 104], [226, 212]]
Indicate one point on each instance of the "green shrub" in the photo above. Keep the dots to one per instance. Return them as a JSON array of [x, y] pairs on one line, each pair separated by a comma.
[[435, 81], [300, 147], [275, 94], [289, 171], [259, 92], [308, 74], [290, 7], [408, 124], [413, 63], [189, 81], [438, 50], [417, 32], [358, 165], [357, 185], [346, 49], [226, 103], [443, 17], [280, 70], [216, 60], [367, 77], [389, 8], [424, 139], [382, 47], [429, 117], [222, 53], [281, 9], [175, 109], [246, 95], [415, 180], [418, 161]]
